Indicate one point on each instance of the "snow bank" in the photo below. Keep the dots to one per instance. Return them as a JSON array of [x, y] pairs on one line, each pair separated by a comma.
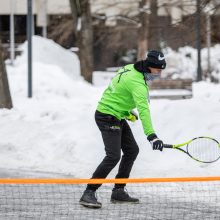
[[55, 131], [47, 52], [183, 62]]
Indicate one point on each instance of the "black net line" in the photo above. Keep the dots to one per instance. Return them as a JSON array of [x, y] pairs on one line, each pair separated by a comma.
[[165, 201]]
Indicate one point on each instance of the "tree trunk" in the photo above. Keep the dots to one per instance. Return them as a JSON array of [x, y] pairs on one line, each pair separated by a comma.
[[5, 97], [143, 32], [154, 27], [75, 8], [84, 36]]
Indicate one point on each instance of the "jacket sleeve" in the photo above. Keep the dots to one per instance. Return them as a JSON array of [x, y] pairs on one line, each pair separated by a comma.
[[140, 94]]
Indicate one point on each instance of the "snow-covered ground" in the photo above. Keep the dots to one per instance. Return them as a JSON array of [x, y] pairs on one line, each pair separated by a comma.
[[55, 131]]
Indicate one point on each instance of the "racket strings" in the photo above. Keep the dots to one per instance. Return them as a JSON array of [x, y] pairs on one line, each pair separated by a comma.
[[204, 149]]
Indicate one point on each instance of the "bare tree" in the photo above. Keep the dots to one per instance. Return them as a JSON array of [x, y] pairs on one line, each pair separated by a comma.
[[5, 97], [153, 27], [82, 19], [75, 9], [143, 31]]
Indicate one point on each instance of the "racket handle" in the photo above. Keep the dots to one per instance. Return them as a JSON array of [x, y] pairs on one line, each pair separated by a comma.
[[168, 146]]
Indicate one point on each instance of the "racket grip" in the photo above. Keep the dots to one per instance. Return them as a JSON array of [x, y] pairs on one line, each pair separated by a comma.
[[168, 146]]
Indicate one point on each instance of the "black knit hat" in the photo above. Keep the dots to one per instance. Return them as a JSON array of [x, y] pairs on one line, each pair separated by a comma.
[[155, 59]]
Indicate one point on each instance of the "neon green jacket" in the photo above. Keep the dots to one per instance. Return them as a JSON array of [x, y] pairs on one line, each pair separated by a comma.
[[127, 91]]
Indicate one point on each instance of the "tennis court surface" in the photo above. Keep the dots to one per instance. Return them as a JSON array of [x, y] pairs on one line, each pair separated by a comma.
[[57, 199]]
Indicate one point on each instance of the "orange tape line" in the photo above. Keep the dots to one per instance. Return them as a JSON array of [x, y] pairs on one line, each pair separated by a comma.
[[100, 181]]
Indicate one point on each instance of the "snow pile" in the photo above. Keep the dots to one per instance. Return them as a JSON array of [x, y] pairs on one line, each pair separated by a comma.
[[55, 131], [47, 52], [183, 62], [50, 131]]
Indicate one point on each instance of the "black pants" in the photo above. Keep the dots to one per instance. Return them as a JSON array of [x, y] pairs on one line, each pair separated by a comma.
[[117, 136]]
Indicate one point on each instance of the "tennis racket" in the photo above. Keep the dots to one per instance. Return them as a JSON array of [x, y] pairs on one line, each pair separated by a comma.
[[201, 149]]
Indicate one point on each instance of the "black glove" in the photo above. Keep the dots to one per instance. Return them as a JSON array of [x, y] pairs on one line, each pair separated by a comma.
[[156, 143]]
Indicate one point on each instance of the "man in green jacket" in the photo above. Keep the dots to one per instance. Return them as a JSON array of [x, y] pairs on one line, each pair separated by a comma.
[[128, 90]]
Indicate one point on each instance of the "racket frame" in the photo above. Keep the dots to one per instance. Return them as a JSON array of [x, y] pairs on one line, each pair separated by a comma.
[[177, 146]]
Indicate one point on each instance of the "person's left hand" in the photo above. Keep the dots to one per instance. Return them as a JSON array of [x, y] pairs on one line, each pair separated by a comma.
[[132, 117]]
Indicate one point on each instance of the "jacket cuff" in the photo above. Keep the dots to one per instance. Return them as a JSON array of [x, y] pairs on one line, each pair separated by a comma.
[[151, 137]]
